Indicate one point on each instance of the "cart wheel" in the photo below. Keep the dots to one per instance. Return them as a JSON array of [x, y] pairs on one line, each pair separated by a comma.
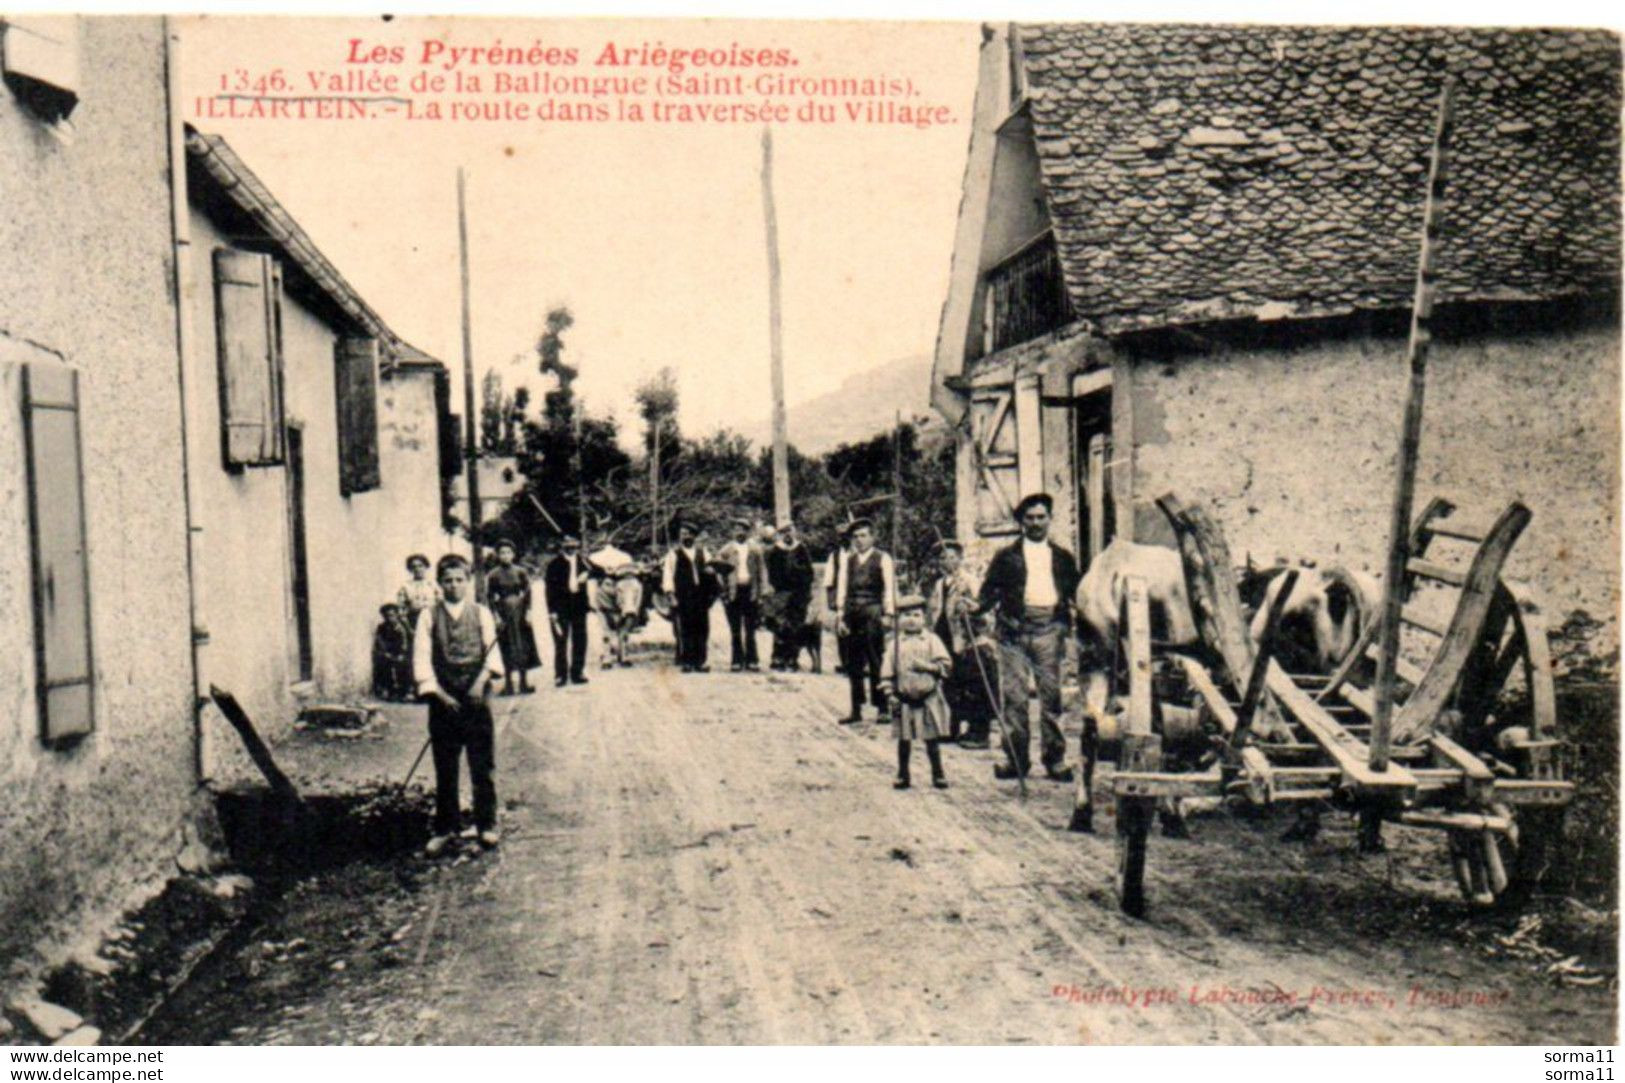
[[1134, 815]]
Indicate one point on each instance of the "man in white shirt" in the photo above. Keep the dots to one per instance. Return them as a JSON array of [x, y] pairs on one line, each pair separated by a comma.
[[1030, 586], [454, 660], [688, 582], [865, 601], [742, 599]]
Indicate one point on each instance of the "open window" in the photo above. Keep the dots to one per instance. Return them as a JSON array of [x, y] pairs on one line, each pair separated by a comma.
[[248, 330]]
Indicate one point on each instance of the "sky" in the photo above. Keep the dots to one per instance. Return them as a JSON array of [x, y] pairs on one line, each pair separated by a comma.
[[652, 234]]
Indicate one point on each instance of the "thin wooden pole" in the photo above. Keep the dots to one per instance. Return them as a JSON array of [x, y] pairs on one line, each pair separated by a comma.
[[654, 484], [897, 483], [781, 451], [471, 429], [1399, 523]]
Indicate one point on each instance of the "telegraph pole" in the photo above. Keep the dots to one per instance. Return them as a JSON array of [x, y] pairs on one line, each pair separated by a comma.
[[471, 429], [781, 452]]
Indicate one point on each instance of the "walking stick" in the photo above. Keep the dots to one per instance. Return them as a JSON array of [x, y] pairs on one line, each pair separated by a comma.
[[998, 698], [414, 769]]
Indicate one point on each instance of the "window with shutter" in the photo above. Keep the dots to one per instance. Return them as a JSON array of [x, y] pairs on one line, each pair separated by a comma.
[[248, 329], [56, 506], [357, 383], [993, 443]]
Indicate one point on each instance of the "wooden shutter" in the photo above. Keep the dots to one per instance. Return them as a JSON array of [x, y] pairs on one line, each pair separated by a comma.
[[247, 288], [357, 382], [56, 506], [993, 432]]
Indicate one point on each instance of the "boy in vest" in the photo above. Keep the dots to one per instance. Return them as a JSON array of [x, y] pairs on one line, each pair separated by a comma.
[[454, 660]]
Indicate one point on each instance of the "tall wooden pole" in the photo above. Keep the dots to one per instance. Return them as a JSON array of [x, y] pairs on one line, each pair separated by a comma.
[[471, 429], [781, 451], [654, 485], [897, 485], [576, 406], [1399, 524]]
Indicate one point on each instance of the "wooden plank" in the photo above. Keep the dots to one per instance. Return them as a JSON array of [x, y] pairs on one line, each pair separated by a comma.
[[1433, 692], [1345, 750], [1266, 652], [1360, 699], [281, 786], [1215, 602], [1137, 721], [1095, 497], [1410, 443], [1414, 617], [1461, 530], [1167, 784], [1259, 775], [1437, 572], [1202, 682], [1538, 660]]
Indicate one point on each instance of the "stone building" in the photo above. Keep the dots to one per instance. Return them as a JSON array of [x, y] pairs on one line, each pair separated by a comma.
[[317, 456], [1185, 260], [193, 485]]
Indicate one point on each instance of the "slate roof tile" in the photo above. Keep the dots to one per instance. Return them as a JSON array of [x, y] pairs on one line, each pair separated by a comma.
[[1204, 172]]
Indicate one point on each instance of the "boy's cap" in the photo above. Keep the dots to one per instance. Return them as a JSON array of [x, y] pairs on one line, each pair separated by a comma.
[[910, 601], [860, 523]]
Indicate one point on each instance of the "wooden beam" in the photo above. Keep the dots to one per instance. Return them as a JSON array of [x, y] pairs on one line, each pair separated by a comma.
[[1137, 722], [1266, 651], [1410, 440], [1349, 753], [1433, 692]]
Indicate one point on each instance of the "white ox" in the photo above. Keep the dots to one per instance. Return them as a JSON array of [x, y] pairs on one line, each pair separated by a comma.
[[1321, 622], [618, 599]]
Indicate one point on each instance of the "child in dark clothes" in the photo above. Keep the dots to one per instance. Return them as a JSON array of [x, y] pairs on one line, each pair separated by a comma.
[[392, 655]]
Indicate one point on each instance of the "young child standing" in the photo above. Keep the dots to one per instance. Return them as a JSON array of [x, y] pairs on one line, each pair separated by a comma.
[[454, 660], [392, 654], [911, 675]]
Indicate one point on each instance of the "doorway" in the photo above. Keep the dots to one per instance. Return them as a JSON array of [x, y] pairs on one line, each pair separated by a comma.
[[299, 654], [1096, 515]]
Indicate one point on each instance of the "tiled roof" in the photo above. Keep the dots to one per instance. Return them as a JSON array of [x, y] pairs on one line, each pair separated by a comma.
[[233, 179], [1198, 173]]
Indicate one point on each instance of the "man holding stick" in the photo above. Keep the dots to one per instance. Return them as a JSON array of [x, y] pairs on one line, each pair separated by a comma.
[[1029, 587]]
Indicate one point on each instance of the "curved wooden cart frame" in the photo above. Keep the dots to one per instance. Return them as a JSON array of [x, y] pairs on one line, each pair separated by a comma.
[[1430, 780]]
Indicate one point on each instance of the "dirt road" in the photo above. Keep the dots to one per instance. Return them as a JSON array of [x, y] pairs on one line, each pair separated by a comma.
[[709, 859]]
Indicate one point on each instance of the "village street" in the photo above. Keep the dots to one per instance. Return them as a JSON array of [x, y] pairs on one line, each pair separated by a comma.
[[710, 859]]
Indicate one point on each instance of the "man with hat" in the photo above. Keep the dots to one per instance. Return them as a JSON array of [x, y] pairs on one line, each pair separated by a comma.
[[745, 583], [790, 575], [834, 567], [565, 589], [866, 600], [1029, 588], [684, 578]]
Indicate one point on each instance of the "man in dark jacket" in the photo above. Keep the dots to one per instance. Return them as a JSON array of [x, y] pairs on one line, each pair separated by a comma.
[[1029, 587], [790, 575], [565, 590]]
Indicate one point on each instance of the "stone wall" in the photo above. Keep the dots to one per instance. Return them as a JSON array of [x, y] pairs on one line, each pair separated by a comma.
[[87, 225]]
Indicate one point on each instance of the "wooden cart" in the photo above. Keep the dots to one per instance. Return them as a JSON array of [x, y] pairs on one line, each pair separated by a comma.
[[1460, 762]]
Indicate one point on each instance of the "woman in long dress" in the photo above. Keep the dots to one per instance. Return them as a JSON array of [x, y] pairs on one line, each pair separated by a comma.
[[508, 588]]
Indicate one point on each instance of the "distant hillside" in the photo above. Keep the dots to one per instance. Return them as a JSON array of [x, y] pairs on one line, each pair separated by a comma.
[[863, 405]]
